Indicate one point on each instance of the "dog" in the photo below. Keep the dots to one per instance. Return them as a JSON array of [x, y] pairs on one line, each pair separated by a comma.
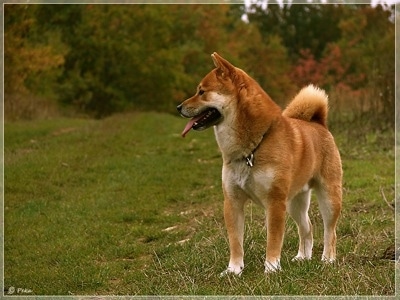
[[272, 157]]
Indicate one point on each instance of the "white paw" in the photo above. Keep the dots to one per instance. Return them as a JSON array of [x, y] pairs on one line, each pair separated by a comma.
[[328, 260], [271, 267], [232, 270], [300, 257]]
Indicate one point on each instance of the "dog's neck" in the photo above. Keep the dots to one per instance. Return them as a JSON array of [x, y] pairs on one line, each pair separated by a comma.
[[243, 130]]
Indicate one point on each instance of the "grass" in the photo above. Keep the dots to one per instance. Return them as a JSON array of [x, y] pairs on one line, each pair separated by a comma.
[[125, 206]]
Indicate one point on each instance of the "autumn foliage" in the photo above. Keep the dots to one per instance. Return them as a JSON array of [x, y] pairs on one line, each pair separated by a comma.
[[101, 59]]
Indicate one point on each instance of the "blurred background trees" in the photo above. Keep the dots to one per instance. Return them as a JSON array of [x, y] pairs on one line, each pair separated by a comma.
[[101, 59]]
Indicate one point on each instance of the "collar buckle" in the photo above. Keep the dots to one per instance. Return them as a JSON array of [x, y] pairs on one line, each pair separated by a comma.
[[250, 160]]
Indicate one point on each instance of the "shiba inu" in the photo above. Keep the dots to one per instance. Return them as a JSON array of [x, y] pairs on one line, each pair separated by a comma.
[[272, 157]]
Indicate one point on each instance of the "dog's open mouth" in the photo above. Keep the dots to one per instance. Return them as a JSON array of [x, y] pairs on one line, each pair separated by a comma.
[[203, 120]]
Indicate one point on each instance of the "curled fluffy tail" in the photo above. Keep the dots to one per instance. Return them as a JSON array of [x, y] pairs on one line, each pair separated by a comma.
[[310, 104]]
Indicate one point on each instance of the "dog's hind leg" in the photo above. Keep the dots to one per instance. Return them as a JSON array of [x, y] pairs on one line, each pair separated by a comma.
[[330, 203], [298, 210]]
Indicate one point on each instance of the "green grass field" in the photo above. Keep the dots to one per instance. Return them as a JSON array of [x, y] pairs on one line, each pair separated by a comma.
[[125, 206]]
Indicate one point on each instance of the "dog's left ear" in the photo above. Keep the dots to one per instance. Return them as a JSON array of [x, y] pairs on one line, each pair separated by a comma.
[[224, 67]]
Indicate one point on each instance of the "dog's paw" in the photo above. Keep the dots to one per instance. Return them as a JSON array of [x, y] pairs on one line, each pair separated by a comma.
[[232, 270], [328, 260], [300, 257], [272, 267]]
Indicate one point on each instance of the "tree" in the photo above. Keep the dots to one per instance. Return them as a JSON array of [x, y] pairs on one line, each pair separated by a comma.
[[368, 48], [305, 26], [25, 57], [134, 56]]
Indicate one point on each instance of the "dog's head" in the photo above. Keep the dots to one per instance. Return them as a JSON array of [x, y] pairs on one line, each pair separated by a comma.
[[215, 93]]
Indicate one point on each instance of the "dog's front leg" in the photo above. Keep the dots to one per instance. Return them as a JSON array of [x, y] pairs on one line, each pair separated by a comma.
[[275, 221], [234, 222]]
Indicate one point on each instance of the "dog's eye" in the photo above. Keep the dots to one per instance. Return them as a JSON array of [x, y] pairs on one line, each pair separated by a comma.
[[201, 92]]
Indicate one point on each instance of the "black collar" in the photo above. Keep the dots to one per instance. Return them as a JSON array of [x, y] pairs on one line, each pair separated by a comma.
[[250, 158]]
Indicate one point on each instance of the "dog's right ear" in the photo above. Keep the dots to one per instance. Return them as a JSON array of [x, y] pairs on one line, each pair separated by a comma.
[[224, 67]]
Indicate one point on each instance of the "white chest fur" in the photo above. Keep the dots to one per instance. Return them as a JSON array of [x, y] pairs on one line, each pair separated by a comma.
[[256, 183]]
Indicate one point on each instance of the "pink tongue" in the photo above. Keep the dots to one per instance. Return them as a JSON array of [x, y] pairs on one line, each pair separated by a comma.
[[190, 124], [187, 127]]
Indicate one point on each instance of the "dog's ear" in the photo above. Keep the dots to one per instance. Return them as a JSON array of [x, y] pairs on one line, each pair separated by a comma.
[[224, 67]]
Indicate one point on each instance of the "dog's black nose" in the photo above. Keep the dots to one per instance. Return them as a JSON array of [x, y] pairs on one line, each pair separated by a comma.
[[179, 107]]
